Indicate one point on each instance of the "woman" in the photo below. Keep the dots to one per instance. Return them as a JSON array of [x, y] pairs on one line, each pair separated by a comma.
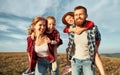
[[38, 46]]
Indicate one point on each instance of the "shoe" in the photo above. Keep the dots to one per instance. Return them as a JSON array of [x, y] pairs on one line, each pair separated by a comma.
[[32, 72], [54, 66], [27, 72], [66, 70]]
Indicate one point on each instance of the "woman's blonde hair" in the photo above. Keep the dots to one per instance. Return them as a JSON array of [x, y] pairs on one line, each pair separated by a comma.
[[34, 22]]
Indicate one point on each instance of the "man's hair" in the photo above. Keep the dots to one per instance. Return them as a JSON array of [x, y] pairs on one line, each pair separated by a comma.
[[81, 7], [63, 18]]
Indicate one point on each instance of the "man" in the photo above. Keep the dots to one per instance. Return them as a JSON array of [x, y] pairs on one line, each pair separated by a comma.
[[84, 46]]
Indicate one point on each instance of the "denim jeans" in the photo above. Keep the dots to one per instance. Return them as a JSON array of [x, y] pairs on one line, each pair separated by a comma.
[[54, 72], [82, 66], [41, 67]]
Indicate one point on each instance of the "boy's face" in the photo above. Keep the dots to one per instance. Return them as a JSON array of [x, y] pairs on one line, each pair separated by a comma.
[[69, 19], [51, 24]]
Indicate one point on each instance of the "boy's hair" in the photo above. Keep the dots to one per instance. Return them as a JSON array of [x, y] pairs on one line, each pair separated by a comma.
[[51, 17], [63, 18], [81, 7]]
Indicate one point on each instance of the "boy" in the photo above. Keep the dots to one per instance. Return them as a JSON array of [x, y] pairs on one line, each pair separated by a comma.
[[54, 36]]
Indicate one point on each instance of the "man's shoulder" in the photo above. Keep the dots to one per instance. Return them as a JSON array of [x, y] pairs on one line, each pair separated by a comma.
[[93, 27]]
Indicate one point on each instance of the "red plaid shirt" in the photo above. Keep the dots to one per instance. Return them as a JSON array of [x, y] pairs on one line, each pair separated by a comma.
[[32, 53], [55, 35]]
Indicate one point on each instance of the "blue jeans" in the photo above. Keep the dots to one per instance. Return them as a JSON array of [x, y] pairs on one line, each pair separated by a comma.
[[54, 72], [42, 66], [79, 66]]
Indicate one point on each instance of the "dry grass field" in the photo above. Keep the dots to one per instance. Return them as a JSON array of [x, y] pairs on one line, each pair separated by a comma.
[[16, 63]]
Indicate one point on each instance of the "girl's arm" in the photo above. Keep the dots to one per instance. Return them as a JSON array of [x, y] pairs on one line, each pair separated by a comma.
[[98, 63], [66, 29], [80, 30]]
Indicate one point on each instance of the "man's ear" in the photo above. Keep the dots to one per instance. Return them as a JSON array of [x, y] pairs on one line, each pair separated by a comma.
[[86, 15]]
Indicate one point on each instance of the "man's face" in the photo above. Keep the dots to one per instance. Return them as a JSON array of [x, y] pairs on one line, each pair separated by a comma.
[[79, 16]]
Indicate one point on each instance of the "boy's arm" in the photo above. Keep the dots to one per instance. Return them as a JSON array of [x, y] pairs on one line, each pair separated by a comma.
[[56, 38]]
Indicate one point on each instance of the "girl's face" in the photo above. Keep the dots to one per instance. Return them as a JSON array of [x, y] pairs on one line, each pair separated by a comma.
[[40, 26], [69, 19], [51, 24]]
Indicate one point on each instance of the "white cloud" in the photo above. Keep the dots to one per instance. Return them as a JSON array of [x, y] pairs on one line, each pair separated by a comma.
[[12, 24], [4, 28], [17, 36], [25, 7]]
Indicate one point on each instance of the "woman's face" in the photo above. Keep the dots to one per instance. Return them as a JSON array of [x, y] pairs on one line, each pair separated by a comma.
[[69, 19], [40, 26]]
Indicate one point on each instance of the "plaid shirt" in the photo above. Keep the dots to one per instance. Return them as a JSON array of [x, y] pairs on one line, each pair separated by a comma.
[[93, 37], [33, 54], [55, 35]]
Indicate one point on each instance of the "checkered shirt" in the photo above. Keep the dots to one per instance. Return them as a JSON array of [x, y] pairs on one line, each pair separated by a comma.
[[93, 36]]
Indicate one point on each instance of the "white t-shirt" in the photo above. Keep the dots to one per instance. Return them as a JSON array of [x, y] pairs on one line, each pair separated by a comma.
[[81, 46], [42, 50]]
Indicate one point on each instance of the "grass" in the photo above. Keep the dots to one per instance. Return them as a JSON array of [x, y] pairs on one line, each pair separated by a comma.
[[15, 63]]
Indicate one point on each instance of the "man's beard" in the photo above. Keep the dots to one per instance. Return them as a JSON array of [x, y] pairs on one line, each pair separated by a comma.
[[79, 23]]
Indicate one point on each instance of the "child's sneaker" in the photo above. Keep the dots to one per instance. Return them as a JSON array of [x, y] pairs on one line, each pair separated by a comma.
[[27, 72], [66, 70], [54, 66]]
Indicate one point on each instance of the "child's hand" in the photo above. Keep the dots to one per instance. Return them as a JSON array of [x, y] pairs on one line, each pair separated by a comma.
[[71, 30], [48, 40]]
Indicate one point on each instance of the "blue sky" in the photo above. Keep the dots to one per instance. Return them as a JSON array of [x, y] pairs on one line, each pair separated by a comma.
[[16, 17]]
